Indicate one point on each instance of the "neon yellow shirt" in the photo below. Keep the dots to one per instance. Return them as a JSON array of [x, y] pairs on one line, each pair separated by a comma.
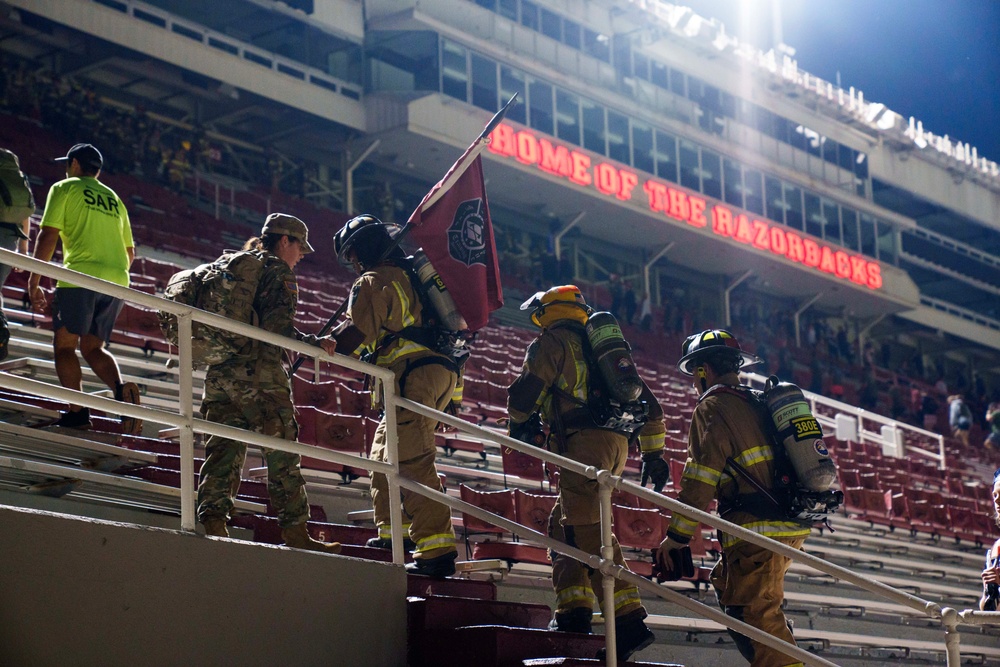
[[94, 227]]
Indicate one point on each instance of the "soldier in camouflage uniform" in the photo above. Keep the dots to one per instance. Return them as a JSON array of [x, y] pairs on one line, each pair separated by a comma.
[[385, 319], [252, 390]]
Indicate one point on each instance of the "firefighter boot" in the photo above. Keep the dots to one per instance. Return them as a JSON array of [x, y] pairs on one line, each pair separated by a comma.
[[632, 635], [297, 536], [386, 543], [439, 566], [215, 527], [575, 620]]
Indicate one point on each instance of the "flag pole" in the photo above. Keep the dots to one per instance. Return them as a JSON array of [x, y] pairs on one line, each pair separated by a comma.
[[477, 147]]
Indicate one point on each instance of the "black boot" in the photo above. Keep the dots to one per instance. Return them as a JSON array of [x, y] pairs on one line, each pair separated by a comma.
[[79, 419], [386, 543], [632, 635], [577, 619], [440, 566]]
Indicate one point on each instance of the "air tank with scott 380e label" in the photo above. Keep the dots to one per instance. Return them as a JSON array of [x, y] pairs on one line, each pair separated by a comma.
[[801, 435]]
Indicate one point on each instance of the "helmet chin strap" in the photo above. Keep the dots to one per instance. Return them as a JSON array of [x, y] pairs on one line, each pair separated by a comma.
[[702, 378]]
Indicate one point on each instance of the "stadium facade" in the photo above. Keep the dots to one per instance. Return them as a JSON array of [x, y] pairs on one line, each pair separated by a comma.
[[648, 142]]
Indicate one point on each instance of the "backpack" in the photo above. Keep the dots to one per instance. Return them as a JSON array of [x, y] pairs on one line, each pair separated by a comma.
[[225, 287], [16, 199], [787, 499]]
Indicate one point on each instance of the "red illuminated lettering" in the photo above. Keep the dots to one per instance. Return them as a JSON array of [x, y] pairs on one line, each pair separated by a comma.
[[779, 244], [581, 163], [743, 233], [527, 148], [679, 206], [826, 262], [795, 252], [843, 264], [859, 270], [697, 216], [629, 180], [657, 194], [502, 141], [606, 179], [554, 159], [811, 252], [874, 275], [760, 235], [722, 221]]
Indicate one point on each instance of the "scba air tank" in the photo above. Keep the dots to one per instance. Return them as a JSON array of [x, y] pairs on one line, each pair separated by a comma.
[[438, 294], [801, 434], [614, 358]]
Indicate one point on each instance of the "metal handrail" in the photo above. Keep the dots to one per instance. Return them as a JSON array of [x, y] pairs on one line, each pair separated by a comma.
[[188, 425]]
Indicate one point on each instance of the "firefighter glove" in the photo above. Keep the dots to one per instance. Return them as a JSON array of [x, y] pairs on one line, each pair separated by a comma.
[[530, 431], [672, 561], [656, 469]]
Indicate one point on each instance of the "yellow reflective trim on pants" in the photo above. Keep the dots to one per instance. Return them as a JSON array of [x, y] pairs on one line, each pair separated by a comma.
[[700, 473], [431, 542], [773, 529], [385, 531], [627, 596], [582, 595]]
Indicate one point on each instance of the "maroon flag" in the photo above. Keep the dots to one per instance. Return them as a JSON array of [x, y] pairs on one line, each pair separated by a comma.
[[452, 225]]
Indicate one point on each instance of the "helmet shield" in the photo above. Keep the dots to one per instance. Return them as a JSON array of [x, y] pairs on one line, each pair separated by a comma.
[[704, 345]]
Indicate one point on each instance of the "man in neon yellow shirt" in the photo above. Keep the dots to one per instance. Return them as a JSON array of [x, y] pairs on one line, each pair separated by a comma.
[[93, 225]]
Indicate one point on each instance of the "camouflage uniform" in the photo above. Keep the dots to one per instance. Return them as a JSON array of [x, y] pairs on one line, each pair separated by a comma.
[[382, 304], [749, 579], [555, 360], [252, 391]]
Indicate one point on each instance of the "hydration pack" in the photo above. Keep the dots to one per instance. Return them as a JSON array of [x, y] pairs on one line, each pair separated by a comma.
[[225, 287]]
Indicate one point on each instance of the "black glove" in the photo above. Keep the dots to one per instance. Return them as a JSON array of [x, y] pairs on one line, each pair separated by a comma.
[[656, 469], [530, 431], [672, 561]]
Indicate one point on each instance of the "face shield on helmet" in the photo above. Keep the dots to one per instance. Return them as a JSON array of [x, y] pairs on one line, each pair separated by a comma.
[[708, 343], [565, 302], [368, 239]]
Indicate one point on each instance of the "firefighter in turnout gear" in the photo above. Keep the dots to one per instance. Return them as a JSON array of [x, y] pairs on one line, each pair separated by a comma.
[[386, 320], [726, 427], [555, 382]]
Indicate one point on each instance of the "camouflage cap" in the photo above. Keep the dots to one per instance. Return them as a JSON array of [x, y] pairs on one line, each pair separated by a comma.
[[289, 225]]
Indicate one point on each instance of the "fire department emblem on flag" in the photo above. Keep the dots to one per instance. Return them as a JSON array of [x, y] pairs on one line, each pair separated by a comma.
[[466, 236]]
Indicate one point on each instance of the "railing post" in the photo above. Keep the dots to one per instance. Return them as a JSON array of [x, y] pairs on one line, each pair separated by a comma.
[[185, 391], [608, 580], [950, 619], [392, 453]]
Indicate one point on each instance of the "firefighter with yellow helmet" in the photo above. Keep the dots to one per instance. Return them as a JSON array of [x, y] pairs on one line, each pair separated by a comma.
[[388, 322], [555, 382], [726, 428]]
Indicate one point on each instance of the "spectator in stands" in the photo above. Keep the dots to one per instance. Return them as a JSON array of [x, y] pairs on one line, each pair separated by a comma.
[[725, 427], [959, 418], [991, 574], [252, 391], [16, 206], [928, 411], [629, 303], [554, 383], [385, 317], [93, 225], [993, 422], [646, 312]]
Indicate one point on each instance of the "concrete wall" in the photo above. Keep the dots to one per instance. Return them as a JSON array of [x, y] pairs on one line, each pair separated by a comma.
[[88, 592]]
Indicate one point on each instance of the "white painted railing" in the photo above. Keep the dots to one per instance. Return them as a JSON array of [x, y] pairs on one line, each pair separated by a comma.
[[189, 425]]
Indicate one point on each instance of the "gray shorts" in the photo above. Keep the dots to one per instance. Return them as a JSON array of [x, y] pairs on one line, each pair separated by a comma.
[[83, 311]]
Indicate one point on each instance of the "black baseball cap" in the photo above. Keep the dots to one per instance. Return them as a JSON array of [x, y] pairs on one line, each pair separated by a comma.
[[85, 154]]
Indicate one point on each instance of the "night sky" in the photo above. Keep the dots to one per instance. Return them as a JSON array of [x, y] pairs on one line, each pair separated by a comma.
[[936, 60]]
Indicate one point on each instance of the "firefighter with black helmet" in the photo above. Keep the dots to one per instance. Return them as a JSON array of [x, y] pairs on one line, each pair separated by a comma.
[[554, 383], [385, 320], [726, 428]]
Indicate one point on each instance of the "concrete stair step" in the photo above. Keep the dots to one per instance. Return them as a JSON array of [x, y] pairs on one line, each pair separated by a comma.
[[446, 612], [498, 646]]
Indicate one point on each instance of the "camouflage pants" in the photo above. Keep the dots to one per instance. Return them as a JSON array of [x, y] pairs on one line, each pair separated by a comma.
[[576, 520], [267, 411]]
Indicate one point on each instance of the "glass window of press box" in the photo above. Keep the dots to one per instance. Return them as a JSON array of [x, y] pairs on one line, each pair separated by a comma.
[[421, 61]]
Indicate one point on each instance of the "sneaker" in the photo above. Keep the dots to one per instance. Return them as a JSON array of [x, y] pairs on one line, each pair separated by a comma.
[[632, 635], [129, 393], [441, 566], [79, 419], [386, 543]]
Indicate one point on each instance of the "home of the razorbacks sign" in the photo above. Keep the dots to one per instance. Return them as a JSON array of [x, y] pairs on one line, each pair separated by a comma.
[[612, 180]]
